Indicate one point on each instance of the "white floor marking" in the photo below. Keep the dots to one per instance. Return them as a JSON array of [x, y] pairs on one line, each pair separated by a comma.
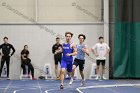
[[49, 90], [15, 91], [39, 86], [106, 86], [7, 87]]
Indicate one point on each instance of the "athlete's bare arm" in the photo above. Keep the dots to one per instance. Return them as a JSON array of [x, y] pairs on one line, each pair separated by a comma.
[[74, 50], [85, 49]]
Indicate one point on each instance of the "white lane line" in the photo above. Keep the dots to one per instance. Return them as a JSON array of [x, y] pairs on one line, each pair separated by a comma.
[[66, 87], [39, 86], [15, 91], [7, 87], [106, 86], [49, 90], [79, 91]]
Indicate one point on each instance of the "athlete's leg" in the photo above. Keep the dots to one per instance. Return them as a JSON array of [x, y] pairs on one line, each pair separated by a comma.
[[69, 68], [73, 70], [83, 79], [72, 74], [75, 64], [63, 67], [82, 75], [81, 68], [62, 76]]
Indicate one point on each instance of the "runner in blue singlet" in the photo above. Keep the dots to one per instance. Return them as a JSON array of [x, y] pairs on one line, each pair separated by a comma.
[[69, 50]]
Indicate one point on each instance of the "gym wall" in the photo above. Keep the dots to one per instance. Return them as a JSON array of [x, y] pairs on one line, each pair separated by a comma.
[[77, 16], [40, 43]]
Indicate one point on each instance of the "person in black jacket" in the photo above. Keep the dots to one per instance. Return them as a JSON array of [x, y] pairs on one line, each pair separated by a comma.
[[6, 49], [25, 60], [57, 56]]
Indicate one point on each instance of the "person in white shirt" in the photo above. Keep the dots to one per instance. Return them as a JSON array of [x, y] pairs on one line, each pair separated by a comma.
[[100, 50]]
